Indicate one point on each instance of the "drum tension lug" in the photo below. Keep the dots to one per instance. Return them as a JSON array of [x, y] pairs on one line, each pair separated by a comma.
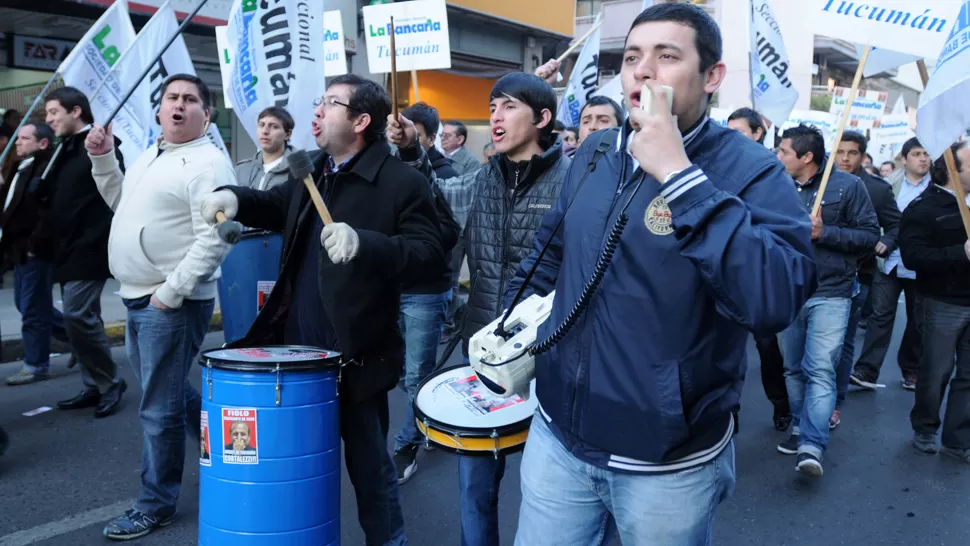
[[494, 436], [279, 387], [427, 441], [208, 365]]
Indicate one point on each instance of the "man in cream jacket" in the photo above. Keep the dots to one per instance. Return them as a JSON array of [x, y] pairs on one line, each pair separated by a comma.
[[167, 259]]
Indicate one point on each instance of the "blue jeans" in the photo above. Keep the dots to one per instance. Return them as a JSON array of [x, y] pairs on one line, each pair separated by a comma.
[[811, 346], [422, 319], [161, 347], [844, 368], [479, 479], [568, 502], [32, 285]]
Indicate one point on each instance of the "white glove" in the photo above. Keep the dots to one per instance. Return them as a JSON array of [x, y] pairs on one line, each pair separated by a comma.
[[222, 200], [341, 242]]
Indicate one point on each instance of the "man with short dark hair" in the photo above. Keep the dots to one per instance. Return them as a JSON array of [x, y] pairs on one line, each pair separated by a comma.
[[426, 122], [844, 233], [453, 138], [637, 400], [599, 112], [27, 246], [78, 224], [849, 158], [886, 169], [748, 122], [269, 167], [933, 242], [167, 259], [340, 284], [893, 278]]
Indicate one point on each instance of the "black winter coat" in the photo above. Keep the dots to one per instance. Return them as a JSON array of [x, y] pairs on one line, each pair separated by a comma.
[[27, 213], [389, 204], [79, 221], [931, 239], [510, 202], [884, 202]]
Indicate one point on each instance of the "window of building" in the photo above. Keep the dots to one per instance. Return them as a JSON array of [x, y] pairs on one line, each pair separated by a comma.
[[588, 8]]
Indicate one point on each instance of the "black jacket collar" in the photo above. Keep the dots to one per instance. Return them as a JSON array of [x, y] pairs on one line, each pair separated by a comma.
[[529, 170], [365, 165]]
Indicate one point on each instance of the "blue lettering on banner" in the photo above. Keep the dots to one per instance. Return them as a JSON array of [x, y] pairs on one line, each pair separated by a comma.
[[921, 21], [244, 85], [409, 51], [331, 36], [959, 39]]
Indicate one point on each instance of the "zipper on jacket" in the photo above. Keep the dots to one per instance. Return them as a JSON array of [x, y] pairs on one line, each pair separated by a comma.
[[510, 208]]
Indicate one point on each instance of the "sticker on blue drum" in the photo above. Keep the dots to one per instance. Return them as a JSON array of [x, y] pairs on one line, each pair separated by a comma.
[[271, 354], [240, 436], [205, 457]]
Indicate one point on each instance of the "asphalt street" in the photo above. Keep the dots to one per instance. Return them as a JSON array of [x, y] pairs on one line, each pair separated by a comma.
[[66, 473]]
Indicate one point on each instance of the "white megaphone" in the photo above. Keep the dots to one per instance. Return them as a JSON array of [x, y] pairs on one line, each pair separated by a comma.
[[503, 363]]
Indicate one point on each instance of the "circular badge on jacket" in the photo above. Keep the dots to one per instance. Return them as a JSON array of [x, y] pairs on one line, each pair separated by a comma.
[[658, 218]]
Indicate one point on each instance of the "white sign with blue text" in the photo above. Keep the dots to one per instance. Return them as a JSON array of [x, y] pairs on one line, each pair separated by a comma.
[[334, 53], [420, 36], [915, 27]]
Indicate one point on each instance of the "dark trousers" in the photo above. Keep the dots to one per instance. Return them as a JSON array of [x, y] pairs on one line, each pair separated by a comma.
[[885, 293], [946, 331], [457, 257], [32, 283], [773, 373], [363, 427], [85, 329]]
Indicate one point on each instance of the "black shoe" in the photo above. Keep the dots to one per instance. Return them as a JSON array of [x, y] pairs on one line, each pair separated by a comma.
[[809, 465], [909, 382], [404, 460], [782, 421], [862, 382], [789, 446], [4, 441], [88, 398], [111, 400]]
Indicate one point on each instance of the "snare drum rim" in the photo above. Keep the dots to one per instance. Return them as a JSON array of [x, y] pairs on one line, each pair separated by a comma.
[[463, 432], [332, 361], [486, 451]]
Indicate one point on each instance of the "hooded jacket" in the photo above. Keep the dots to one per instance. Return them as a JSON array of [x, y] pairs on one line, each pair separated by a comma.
[[249, 172]]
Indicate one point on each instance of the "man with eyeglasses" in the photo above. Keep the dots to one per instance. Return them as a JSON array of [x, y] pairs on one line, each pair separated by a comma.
[[339, 287], [453, 137]]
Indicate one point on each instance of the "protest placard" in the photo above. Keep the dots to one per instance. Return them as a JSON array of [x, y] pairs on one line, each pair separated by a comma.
[[867, 107], [420, 33]]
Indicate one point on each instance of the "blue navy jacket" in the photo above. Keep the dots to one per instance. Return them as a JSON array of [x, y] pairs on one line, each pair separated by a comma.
[[650, 376], [850, 231]]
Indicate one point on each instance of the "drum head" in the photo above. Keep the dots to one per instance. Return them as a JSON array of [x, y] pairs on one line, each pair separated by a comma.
[[289, 357], [456, 399]]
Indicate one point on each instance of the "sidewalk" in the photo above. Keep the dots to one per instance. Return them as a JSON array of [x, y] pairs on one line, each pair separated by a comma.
[[113, 312]]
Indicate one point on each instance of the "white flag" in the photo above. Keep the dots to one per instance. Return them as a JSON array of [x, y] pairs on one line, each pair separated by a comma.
[[881, 60], [91, 62], [774, 95], [944, 114], [175, 60], [583, 82], [277, 59]]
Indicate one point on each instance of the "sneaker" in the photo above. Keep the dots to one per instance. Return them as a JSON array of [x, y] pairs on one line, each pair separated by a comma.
[[406, 463], [909, 382], [789, 446], [835, 420], [809, 465], [134, 524], [925, 443], [782, 422], [23, 377], [862, 382], [962, 455]]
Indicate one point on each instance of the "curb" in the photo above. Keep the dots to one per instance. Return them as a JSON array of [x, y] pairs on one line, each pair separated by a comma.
[[12, 350]]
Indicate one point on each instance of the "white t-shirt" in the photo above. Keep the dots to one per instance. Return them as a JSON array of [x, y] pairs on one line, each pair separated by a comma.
[[267, 167]]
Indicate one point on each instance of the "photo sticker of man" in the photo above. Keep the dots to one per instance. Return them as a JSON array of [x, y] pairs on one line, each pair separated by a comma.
[[205, 450], [239, 436]]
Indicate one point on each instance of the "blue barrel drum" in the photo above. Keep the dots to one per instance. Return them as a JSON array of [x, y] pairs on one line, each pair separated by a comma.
[[248, 274], [270, 457]]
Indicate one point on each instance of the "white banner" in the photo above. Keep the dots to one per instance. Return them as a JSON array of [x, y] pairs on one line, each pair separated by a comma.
[[720, 116], [335, 54], [276, 56], [906, 26], [175, 60], [583, 82], [823, 120], [867, 108], [420, 36], [614, 90], [894, 129], [881, 60], [944, 113], [225, 64], [90, 63], [774, 95]]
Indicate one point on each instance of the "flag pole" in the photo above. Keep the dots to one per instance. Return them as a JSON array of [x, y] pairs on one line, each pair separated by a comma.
[[150, 66], [751, 54], [951, 164], [26, 119], [838, 136], [580, 41], [394, 106]]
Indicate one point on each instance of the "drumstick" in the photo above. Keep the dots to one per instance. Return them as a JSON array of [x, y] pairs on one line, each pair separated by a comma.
[[301, 166], [393, 73]]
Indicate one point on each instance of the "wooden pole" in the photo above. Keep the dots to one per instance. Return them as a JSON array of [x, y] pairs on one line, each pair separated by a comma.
[[951, 164], [838, 136], [414, 85], [393, 72], [579, 42]]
